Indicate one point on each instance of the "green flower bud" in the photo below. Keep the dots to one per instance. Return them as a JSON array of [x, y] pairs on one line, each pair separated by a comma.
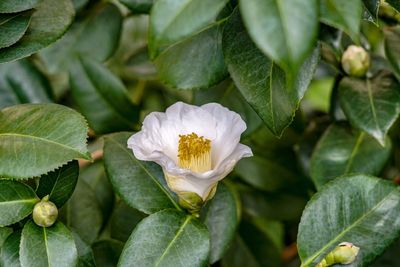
[[355, 61], [190, 201], [45, 213], [344, 253]]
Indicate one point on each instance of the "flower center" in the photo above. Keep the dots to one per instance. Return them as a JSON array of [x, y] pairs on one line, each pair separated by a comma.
[[194, 153]]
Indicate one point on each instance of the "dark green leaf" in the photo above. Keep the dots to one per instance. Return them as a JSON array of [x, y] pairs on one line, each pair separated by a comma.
[[389, 258], [138, 6], [141, 184], [59, 184], [262, 83], [16, 201], [102, 97], [371, 10], [107, 252], [221, 218], [175, 20], [167, 238], [359, 209], [13, 27], [371, 105], [85, 252], [79, 4], [124, 219], [4, 233], [395, 4], [196, 62], [21, 82], [96, 37], [49, 22], [53, 246], [41, 138], [392, 48], [342, 150], [284, 30], [82, 213], [9, 256], [11, 6], [342, 14]]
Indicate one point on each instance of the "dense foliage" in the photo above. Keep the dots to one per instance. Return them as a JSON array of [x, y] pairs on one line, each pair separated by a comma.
[[316, 81]]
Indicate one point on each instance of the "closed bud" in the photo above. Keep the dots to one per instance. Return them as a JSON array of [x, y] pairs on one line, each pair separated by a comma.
[[344, 253], [45, 213], [355, 61]]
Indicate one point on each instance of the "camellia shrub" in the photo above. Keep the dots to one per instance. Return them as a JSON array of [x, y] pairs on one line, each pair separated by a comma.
[[191, 133]]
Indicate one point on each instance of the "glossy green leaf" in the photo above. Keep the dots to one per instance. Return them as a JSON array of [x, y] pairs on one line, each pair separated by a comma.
[[21, 82], [167, 238], [392, 48], [12, 6], [53, 246], [342, 14], [13, 27], [96, 36], [262, 83], [359, 209], [342, 150], [4, 233], [48, 23], [16, 201], [221, 218], [9, 256], [82, 213], [138, 6], [371, 8], [102, 97], [40, 137], [140, 184], [180, 65], [107, 252], [59, 184], [372, 105], [175, 20], [286, 31]]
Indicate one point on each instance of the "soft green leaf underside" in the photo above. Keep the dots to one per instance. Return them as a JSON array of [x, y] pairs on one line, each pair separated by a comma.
[[41, 138], [53, 246], [141, 184], [359, 209], [48, 23], [342, 150], [16, 201], [167, 238]]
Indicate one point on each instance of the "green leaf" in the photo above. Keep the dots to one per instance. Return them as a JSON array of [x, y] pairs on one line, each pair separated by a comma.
[[21, 82], [102, 97], [12, 6], [107, 252], [167, 238], [49, 22], [182, 67], [53, 246], [389, 258], [4, 233], [139, 6], [372, 105], [82, 213], [13, 27], [395, 4], [85, 252], [96, 36], [342, 14], [9, 256], [174, 20], [221, 218], [342, 150], [371, 8], [262, 83], [16, 201], [286, 31], [41, 138], [392, 48], [59, 184], [359, 209], [140, 184]]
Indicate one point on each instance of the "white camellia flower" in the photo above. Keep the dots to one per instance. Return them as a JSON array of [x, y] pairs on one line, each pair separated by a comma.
[[195, 146]]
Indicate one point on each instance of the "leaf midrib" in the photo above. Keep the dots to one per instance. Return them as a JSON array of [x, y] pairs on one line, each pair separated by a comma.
[[178, 233], [354, 224], [43, 140]]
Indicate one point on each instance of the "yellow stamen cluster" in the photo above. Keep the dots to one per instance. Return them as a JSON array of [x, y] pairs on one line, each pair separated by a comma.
[[194, 153]]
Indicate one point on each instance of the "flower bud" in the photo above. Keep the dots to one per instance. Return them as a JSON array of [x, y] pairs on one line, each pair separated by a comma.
[[355, 61], [45, 213], [344, 253]]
